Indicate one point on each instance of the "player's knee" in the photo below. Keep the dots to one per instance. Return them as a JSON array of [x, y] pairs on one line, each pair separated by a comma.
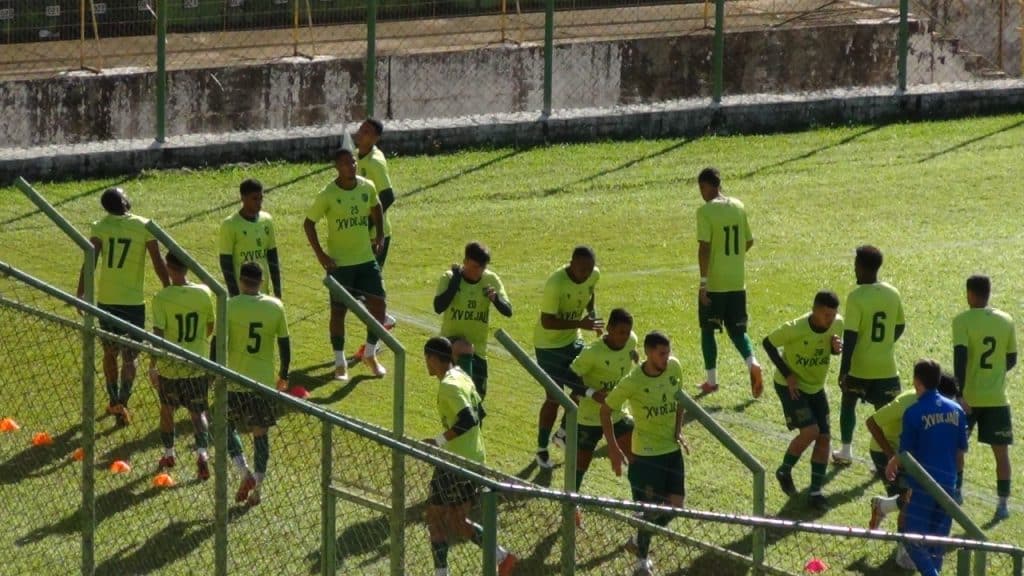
[[735, 330], [810, 433]]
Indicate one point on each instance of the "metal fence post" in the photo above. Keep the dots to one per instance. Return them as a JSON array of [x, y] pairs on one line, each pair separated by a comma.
[[549, 52], [161, 71], [328, 515], [371, 55], [718, 53], [903, 45], [489, 500]]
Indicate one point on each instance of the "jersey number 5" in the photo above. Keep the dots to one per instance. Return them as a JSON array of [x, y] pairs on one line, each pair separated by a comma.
[[986, 356], [111, 243], [255, 340]]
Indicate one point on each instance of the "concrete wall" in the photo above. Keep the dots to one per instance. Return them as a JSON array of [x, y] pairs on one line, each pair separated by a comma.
[[976, 25]]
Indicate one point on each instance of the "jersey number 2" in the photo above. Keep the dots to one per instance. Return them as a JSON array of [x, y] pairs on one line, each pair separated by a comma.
[[255, 340], [986, 356], [125, 243], [734, 241]]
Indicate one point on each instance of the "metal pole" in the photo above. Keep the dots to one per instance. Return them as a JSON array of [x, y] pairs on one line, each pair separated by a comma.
[[760, 537], [81, 34], [328, 514], [489, 500], [295, 28], [549, 52], [161, 71], [718, 53], [903, 45], [371, 55]]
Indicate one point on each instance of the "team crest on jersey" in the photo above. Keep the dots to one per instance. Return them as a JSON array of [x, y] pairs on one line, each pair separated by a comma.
[[366, 198], [673, 380]]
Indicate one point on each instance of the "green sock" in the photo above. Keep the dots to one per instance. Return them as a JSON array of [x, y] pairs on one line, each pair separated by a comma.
[[112, 392], [466, 363], [847, 422], [1003, 488], [788, 461], [709, 348], [543, 437], [167, 439], [126, 392], [818, 476], [202, 439], [261, 453], [234, 443], [741, 340], [371, 338]]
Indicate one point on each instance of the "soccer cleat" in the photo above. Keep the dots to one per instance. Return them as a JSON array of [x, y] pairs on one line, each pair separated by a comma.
[[375, 367], [818, 502], [508, 564], [558, 439], [248, 485], [708, 388], [1002, 511], [786, 482], [202, 469], [903, 559], [644, 567], [123, 416], [544, 460], [842, 457], [877, 514], [631, 545], [361, 352], [756, 380], [166, 462], [341, 373], [113, 409], [389, 322], [254, 497]]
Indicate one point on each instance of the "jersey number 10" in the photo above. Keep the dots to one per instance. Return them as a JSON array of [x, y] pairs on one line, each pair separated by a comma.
[[188, 326]]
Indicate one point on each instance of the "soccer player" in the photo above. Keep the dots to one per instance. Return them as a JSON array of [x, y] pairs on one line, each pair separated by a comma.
[[121, 242], [374, 167], [464, 296], [656, 471], [984, 350], [566, 307], [935, 434], [255, 322], [723, 238], [349, 204], [807, 344], [183, 314], [600, 366], [248, 236], [451, 498], [874, 322]]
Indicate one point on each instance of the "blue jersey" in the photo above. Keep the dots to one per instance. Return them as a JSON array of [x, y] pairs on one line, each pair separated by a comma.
[[934, 431]]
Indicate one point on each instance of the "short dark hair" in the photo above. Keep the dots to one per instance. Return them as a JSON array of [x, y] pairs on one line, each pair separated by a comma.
[[583, 252], [250, 186], [928, 372], [948, 386], [980, 285], [826, 298], [114, 201], [655, 339], [378, 126], [173, 261], [251, 271], [341, 151], [868, 257], [478, 253], [439, 347], [710, 176], [619, 316]]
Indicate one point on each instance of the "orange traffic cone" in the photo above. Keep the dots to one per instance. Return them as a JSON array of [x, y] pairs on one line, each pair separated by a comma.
[[163, 480], [42, 439], [9, 425], [120, 467], [78, 455]]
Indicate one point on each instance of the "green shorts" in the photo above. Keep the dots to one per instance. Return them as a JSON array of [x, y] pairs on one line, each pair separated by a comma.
[[995, 425], [556, 362], [655, 478], [807, 410], [877, 392], [248, 410], [188, 392], [134, 315], [727, 310], [360, 280], [589, 436]]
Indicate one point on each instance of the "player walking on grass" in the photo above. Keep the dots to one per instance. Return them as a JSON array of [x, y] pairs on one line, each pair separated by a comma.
[[984, 350], [464, 296], [255, 322], [567, 306], [724, 238], [874, 323], [121, 242], [373, 166], [349, 204], [451, 497], [807, 344], [248, 236], [935, 434], [656, 470], [182, 314]]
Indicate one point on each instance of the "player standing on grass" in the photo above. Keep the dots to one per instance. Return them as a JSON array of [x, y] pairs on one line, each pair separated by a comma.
[[656, 471], [724, 238], [255, 322], [464, 296], [874, 322], [935, 434], [566, 307], [248, 236], [374, 167], [451, 497], [349, 204], [984, 350], [121, 242], [807, 343], [183, 314]]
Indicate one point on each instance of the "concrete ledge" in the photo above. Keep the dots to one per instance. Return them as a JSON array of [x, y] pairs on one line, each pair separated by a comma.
[[680, 119]]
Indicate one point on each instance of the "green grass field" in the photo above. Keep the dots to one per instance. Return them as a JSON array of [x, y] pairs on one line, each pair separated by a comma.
[[942, 200]]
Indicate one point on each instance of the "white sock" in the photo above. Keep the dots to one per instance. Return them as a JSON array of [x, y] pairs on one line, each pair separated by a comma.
[[751, 361], [339, 359], [259, 476], [169, 452], [1004, 501], [369, 350], [440, 572], [241, 464], [712, 376], [847, 449], [888, 505], [500, 553], [203, 455]]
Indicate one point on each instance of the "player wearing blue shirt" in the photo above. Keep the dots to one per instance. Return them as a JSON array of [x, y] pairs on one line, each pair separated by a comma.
[[935, 434]]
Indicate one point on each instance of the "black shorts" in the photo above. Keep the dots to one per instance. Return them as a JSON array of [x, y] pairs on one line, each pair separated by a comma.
[[806, 410], [134, 315], [188, 392], [727, 310], [556, 361], [448, 489], [383, 256], [655, 478], [877, 392], [360, 280], [995, 425], [248, 410], [589, 436]]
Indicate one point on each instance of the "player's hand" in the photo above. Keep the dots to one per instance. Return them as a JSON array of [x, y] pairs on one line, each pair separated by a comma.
[[702, 295], [892, 468], [282, 384], [683, 443], [599, 396], [154, 377], [792, 382], [491, 293], [837, 344], [595, 324], [617, 457], [378, 245], [327, 262]]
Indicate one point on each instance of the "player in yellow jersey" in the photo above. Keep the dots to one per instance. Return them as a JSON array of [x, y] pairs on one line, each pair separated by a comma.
[[451, 497], [464, 296], [723, 238], [255, 323], [121, 242], [373, 166], [984, 350], [248, 236], [874, 323], [183, 314], [656, 471], [348, 205]]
